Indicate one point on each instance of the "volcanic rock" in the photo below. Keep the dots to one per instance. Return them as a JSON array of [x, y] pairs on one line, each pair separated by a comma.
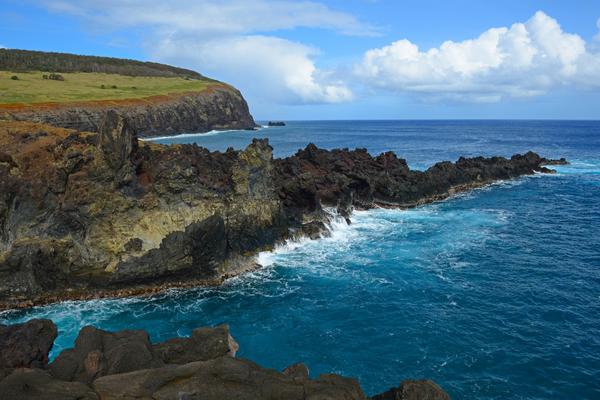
[[98, 353], [93, 215], [26, 345], [298, 370], [28, 384], [413, 389], [125, 365], [225, 378], [203, 344]]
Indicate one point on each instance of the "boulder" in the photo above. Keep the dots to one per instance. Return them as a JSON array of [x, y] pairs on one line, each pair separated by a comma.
[[414, 389], [203, 344], [225, 378], [298, 370], [98, 353], [26, 345], [27, 384], [276, 123]]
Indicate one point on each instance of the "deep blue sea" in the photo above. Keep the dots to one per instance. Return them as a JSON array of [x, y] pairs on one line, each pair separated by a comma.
[[493, 293]]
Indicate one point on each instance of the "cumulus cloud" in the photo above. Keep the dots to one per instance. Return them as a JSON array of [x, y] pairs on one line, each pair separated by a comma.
[[223, 38], [597, 37], [525, 60], [235, 40], [276, 68]]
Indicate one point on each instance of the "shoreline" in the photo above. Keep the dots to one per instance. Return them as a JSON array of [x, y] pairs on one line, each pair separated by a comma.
[[106, 215], [83, 295]]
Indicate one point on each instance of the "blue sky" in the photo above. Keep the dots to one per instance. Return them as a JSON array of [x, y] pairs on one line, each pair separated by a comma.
[[352, 59]]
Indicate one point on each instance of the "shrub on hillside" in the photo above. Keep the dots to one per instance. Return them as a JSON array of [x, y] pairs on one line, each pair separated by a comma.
[[14, 78]]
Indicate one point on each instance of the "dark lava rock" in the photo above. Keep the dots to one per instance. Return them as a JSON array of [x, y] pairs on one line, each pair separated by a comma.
[[225, 378], [562, 161], [27, 384], [98, 353], [354, 179], [276, 123], [298, 370], [26, 345], [203, 344], [413, 389], [134, 244]]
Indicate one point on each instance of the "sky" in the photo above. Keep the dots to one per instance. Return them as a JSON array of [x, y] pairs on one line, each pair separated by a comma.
[[351, 59]]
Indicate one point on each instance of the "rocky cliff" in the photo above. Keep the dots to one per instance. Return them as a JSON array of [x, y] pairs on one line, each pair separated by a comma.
[[126, 365], [219, 107], [85, 215]]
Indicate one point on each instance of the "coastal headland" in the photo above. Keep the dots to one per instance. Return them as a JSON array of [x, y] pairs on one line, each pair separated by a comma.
[[74, 92], [87, 215]]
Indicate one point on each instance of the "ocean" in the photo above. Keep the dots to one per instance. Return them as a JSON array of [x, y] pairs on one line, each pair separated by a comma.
[[492, 293]]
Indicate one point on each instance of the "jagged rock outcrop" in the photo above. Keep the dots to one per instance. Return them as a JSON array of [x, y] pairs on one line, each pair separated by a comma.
[[88, 215], [203, 344], [26, 345], [413, 389], [218, 107], [125, 365], [353, 179], [100, 353], [276, 123]]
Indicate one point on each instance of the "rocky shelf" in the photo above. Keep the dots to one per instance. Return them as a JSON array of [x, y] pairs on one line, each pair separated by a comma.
[[127, 365]]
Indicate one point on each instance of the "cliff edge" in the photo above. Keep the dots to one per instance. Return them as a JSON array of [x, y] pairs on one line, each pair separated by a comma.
[[218, 107]]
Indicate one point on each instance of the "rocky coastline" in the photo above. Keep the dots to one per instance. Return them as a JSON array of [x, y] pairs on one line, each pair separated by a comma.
[[86, 215], [218, 107], [127, 365]]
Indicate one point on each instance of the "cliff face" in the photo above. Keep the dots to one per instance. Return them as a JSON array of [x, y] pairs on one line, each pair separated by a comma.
[[84, 215], [218, 107]]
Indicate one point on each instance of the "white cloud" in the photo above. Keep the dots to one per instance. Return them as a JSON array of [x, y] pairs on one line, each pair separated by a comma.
[[529, 59], [222, 38], [235, 40], [597, 37], [272, 67], [212, 17]]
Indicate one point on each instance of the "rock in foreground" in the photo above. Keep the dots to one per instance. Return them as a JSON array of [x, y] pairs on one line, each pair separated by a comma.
[[26, 345], [125, 365]]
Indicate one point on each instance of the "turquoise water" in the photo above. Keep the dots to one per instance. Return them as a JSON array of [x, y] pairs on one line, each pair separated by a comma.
[[493, 293]]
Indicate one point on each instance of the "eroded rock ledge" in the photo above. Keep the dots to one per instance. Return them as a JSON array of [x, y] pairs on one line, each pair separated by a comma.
[[126, 365], [87, 215]]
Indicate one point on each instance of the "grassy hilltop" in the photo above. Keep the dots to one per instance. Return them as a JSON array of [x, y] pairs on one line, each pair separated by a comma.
[[31, 87], [25, 78]]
